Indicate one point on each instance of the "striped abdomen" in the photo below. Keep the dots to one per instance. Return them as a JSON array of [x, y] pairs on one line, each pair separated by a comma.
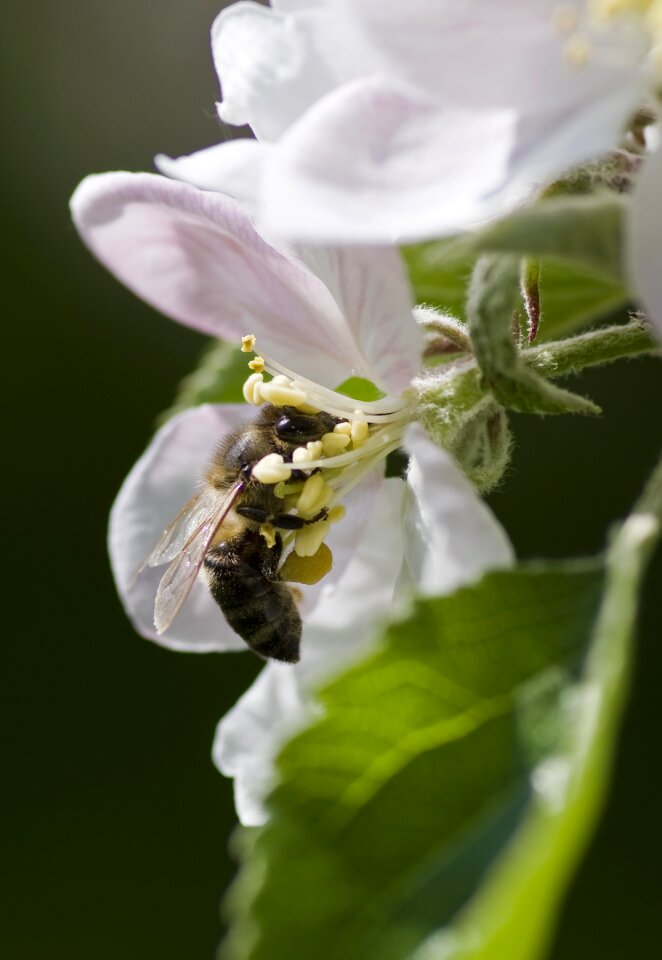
[[243, 580]]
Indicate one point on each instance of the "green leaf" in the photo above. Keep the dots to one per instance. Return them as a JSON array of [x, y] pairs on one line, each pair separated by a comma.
[[439, 273], [393, 807], [512, 916], [573, 295], [218, 378], [441, 803], [586, 230], [358, 388]]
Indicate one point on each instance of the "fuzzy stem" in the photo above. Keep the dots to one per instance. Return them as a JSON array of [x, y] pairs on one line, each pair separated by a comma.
[[559, 358]]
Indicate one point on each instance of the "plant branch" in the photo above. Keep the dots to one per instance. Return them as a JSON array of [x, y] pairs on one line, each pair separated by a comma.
[[560, 358]]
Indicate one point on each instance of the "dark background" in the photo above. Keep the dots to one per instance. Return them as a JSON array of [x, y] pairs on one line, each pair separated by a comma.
[[117, 825]]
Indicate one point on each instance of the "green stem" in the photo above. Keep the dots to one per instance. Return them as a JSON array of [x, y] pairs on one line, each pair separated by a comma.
[[559, 358], [449, 393]]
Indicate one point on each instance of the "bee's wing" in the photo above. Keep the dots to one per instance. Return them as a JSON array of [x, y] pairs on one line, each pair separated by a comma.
[[182, 527], [180, 576]]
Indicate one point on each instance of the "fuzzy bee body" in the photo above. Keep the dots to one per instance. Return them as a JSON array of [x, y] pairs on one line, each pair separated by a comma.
[[242, 574], [218, 532]]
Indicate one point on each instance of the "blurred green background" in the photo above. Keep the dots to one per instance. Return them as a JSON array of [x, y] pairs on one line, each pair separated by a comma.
[[116, 824]]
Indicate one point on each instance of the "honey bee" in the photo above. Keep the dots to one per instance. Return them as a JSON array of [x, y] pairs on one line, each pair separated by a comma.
[[218, 532]]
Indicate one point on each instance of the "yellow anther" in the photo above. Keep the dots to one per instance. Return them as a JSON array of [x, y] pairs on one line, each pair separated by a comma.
[[344, 427], [309, 539], [271, 469], [253, 389], [334, 443], [268, 531], [314, 497], [603, 10], [248, 343], [302, 455], [293, 488], [336, 513], [281, 393], [308, 570], [577, 50], [257, 364], [360, 432], [315, 447], [288, 493]]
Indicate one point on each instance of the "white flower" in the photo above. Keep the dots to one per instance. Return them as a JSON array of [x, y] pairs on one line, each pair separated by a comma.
[[379, 120], [320, 317]]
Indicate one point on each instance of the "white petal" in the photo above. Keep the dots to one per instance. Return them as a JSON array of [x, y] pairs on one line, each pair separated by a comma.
[[152, 495], [497, 53], [372, 292], [272, 64], [249, 737], [234, 168], [343, 624], [290, 5], [481, 107], [644, 244], [344, 539], [453, 538], [376, 162], [196, 256], [343, 628]]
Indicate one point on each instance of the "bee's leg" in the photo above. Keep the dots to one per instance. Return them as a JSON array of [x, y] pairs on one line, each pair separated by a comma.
[[254, 513], [284, 521]]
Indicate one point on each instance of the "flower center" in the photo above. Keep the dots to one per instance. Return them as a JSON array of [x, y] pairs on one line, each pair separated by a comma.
[[321, 472], [581, 23]]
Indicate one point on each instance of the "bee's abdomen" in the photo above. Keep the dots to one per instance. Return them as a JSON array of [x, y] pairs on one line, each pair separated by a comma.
[[242, 578]]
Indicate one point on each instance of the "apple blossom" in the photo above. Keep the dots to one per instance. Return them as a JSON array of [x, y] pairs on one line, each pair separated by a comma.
[[328, 314], [379, 121]]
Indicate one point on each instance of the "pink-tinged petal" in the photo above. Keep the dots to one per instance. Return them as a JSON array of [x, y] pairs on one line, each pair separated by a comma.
[[342, 629], [233, 168], [643, 239], [156, 489], [196, 256], [375, 162], [452, 538], [372, 292], [480, 107]]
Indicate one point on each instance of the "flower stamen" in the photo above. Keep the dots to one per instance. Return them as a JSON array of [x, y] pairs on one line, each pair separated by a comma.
[[272, 469], [333, 465], [257, 364]]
